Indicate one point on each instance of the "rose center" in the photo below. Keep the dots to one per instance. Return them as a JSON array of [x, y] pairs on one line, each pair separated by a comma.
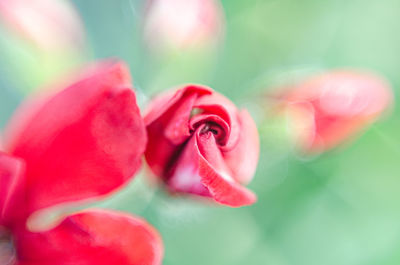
[[215, 129], [7, 251]]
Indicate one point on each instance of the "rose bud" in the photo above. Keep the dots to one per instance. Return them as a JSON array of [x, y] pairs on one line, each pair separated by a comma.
[[177, 24], [200, 143], [51, 25], [328, 109]]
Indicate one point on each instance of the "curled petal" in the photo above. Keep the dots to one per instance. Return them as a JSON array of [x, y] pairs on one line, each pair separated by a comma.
[[184, 175], [12, 185], [163, 102], [218, 177], [82, 142], [201, 170], [167, 120], [94, 237], [243, 158], [225, 191], [214, 123]]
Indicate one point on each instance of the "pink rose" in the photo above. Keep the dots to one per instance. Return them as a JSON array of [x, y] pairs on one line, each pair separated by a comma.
[[200, 143]]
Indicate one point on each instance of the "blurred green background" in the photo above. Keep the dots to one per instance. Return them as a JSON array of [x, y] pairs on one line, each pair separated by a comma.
[[341, 207]]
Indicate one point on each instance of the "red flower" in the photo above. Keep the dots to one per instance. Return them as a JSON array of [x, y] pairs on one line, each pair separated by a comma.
[[199, 143], [80, 143], [328, 109]]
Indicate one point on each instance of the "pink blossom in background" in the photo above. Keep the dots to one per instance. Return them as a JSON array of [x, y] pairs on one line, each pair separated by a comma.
[[50, 24], [80, 143], [181, 24], [328, 109], [200, 143]]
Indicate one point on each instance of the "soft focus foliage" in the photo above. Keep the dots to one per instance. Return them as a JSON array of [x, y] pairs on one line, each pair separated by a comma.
[[339, 207]]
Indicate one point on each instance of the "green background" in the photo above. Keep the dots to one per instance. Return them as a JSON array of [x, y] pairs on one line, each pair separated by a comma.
[[341, 207]]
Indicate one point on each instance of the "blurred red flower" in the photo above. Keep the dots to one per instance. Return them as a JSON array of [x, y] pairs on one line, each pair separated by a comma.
[[200, 143], [326, 110], [80, 143], [180, 24]]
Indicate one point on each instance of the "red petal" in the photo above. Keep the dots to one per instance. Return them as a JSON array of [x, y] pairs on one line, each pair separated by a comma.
[[242, 148], [185, 176], [243, 158], [83, 142], [223, 191], [11, 189], [94, 237], [162, 103], [200, 166], [217, 177], [166, 133], [220, 105]]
